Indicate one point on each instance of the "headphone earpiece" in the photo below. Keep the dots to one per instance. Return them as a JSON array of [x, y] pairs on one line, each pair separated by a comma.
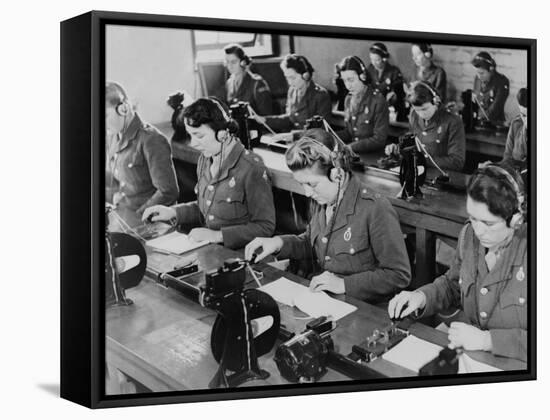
[[428, 54], [336, 174], [122, 109], [436, 99], [221, 135], [363, 74], [306, 75], [517, 218]]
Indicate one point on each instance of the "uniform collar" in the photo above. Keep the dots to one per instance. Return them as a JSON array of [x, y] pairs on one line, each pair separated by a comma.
[[229, 161], [348, 203], [130, 133]]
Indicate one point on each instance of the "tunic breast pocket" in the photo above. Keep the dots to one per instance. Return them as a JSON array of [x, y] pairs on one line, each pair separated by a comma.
[[230, 205], [513, 310], [466, 284], [136, 168], [352, 253]]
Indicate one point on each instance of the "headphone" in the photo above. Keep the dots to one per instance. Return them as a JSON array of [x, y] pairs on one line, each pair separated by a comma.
[[436, 99], [363, 74], [229, 123], [122, 108], [238, 51], [490, 61], [308, 68], [380, 49], [517, 218]]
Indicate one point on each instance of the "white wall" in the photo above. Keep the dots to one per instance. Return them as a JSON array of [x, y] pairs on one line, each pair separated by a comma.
[[151, 63]]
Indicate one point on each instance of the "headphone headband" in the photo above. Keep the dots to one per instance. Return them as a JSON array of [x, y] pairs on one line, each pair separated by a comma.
[[435, 95], [384, 53], [490, 61], [512, 182], [216, 101]]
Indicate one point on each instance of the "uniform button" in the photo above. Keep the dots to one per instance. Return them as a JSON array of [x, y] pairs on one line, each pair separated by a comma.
[[483, 315], [459, 281], [483, 291], [324, 240], [122, 184], [353, 118], [354, 128], [210, 188], [521, 300], [211, 217], [327, 258], [356, 138], [367, 121], [296, 124], [424, 133], [130, 165], [296, 113], [208, 202], [352, 251], [228, 199], [246, 152], [116, 171]]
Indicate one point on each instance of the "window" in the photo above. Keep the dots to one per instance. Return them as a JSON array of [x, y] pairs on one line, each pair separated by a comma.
[[209, 44]]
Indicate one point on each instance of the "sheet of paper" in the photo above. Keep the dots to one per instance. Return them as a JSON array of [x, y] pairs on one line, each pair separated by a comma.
[[468, 365], [315, 304], [412, 353], [175, 242]]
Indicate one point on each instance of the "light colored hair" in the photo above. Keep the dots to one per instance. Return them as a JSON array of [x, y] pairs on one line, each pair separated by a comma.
[[115, 94]]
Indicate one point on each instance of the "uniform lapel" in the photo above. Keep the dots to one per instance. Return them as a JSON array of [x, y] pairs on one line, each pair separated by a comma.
[[347, 205], [229, 162], [130, 133]]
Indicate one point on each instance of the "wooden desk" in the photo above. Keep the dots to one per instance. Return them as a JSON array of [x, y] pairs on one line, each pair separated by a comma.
[[163, 339]]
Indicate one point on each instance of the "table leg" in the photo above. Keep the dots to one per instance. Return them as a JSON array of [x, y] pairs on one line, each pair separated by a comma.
[[425, 258]]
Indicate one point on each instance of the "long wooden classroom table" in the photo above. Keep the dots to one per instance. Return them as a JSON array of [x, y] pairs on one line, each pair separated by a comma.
[[163, 339], [437, 213]]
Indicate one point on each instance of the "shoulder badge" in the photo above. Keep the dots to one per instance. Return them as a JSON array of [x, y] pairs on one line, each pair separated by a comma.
[[388, 81], [520, 275], [439, 130], [232, 182]]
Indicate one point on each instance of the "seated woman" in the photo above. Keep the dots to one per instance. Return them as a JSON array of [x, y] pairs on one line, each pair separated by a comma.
[[441, 132], [367, 116], [429, 72], [305, 98], [234, 200], [488, 278], [354, 234], [243, 85], [490, 87], [139, 168], [515, 152], [388, 79]]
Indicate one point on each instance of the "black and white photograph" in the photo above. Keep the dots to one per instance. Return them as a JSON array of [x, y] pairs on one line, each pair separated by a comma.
[[287, 209], [253, 208]]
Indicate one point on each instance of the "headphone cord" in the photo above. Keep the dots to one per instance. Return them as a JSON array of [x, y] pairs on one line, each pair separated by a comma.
[[422, 147], [255, 114]]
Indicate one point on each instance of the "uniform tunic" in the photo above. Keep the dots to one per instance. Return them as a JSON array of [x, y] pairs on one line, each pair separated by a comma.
[[516, 144], [367, 123], [436, 77], [444, 138], [315, 101], [238, 200], [493, 300], [252, 89], [366, 247], [140, 168], [390, 80], [492, 96]]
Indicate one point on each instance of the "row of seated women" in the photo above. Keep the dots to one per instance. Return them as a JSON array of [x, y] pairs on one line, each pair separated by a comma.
[[354, 237], [376, 90]]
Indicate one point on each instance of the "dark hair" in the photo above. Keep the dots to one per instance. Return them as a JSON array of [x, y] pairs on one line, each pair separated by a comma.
[[354, 63], [212, 112], [175, 102], [425, 48], [490, 186], [421, 93], [316, 149], [484, 60], [238, 51], [299, 63], [379, 49], [522, 97]]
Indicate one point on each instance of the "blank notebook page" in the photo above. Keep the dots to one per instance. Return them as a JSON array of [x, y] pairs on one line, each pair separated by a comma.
[[412, 353], [175, 242]]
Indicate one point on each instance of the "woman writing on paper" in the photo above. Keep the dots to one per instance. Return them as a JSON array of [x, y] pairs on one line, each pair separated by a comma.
[[354, 234], [234, 199], [488, 278]]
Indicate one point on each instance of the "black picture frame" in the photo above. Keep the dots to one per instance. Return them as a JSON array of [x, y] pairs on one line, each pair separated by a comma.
[[82, 228]]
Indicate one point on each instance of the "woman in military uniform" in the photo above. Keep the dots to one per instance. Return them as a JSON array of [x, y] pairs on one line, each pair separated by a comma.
[[488, 279], [243, 85], [234, 200], [490, 87], [305, 98], [441, 132], [366, 110], [388, 79], [429, 72], [515, 151], [354, 234]]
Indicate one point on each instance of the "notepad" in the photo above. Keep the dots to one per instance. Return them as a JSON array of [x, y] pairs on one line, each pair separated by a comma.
[[468, 365], [175, 242], [412, 353], [315, 304]]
